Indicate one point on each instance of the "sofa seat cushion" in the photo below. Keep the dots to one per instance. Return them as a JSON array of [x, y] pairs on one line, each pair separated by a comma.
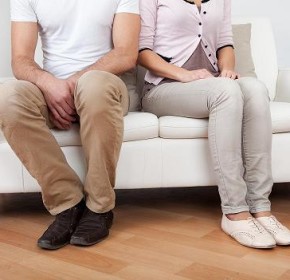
[[187, 128], [137, 126], [182, 128], [140, 126]]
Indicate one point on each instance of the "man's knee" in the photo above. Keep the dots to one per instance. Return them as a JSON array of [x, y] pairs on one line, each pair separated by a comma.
[[100, 83], [99, 90], [9, 100], [16, 97]]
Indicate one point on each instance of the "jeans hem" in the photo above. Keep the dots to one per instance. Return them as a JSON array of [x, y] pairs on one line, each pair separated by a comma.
[[256, 210], [234, 210]]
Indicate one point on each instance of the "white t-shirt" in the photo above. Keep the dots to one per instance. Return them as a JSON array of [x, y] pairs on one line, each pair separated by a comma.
[[74, 33]]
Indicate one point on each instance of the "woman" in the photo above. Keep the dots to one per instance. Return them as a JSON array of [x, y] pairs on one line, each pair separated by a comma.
[[188, 49]]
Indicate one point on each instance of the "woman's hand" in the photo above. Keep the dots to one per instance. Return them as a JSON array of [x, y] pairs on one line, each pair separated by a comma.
[[188, 76], [229, 74]]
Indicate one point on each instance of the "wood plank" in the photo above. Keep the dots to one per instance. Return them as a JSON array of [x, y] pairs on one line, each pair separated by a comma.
[[134, 272], [199, 271]]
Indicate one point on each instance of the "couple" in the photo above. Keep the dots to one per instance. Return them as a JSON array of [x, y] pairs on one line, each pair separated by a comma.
[[187, 47]]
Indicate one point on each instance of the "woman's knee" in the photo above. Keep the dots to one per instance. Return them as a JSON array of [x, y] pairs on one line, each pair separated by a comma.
[[253, 89], [227, 91]]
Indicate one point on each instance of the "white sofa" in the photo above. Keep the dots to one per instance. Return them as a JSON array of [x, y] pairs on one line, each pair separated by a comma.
[[172, 151]]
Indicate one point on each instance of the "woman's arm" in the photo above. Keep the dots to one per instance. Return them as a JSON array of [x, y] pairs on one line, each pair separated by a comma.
[[153, 62], [160, 67], [225, 49], [226, 63]]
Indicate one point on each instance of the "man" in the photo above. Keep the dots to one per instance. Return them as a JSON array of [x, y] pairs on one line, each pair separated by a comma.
[[86, 44]]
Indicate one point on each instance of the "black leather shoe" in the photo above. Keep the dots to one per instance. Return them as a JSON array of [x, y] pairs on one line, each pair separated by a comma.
[[60, 231], [92, 228]]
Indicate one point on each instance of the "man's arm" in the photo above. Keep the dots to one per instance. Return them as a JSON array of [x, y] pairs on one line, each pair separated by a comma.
[[24, 40], [57, 93], [123, 56]]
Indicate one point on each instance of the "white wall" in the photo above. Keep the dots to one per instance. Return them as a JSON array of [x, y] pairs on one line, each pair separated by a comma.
[[277, 11], [4, 39]]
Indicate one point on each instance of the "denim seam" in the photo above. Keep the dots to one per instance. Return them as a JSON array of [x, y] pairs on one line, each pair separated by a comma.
[[224, 189]]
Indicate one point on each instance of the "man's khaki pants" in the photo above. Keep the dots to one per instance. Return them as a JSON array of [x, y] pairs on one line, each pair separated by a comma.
[[101, 101]]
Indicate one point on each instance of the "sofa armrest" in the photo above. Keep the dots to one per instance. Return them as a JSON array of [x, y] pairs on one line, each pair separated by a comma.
[[283, 86]]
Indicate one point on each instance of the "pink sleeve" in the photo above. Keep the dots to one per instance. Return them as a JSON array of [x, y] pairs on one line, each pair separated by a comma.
[[148, 13], [225, 32]]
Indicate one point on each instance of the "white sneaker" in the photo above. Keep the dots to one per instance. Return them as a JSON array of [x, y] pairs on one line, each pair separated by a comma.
[[248, 232], [280, 233]]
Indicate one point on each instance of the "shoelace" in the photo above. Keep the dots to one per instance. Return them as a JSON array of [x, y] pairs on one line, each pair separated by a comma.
[[274, 222], [255, 225]]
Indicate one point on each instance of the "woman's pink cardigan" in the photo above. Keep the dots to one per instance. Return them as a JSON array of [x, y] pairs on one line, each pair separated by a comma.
[[174, 28]]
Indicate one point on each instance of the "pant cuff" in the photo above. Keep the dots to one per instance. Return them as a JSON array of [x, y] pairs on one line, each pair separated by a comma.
[[60, 208], [102, 209], [256, 210], [234, 210]]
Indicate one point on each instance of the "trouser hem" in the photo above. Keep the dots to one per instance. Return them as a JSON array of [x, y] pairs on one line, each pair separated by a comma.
[[102, 209], [260, 209], [234, 210], [60, 208]]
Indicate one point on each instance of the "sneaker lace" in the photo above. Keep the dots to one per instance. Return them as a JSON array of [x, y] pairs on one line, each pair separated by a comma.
[[275, 223], [257, 227]]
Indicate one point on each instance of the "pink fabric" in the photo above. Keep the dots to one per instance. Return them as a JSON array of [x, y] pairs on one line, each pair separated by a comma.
[[174, 29]]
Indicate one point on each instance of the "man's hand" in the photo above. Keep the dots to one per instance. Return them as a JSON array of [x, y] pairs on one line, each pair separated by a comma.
[[58, 95], [188, 76], [72, 81], [229, 74]]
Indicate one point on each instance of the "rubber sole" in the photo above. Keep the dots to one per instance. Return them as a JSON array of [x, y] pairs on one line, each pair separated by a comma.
[[50, 247], [78, 242]]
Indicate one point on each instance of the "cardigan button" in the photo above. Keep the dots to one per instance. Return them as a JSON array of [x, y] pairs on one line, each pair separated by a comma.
[[209, 55], [199, 35], [205, 46], [200, 23], [204, 12]]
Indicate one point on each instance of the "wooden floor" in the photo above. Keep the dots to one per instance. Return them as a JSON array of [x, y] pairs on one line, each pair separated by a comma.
[[168, 234]]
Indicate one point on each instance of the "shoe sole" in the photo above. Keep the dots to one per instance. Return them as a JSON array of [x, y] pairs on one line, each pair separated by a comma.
[[80, 243], [252, 246], [255, 247], [50, 247], [258, 247], [283, 244]]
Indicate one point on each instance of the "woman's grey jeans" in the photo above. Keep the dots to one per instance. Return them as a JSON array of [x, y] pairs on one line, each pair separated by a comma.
[[239, 134]]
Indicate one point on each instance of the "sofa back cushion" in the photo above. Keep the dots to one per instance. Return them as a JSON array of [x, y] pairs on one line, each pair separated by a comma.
[[263, 51], [243, 53]]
